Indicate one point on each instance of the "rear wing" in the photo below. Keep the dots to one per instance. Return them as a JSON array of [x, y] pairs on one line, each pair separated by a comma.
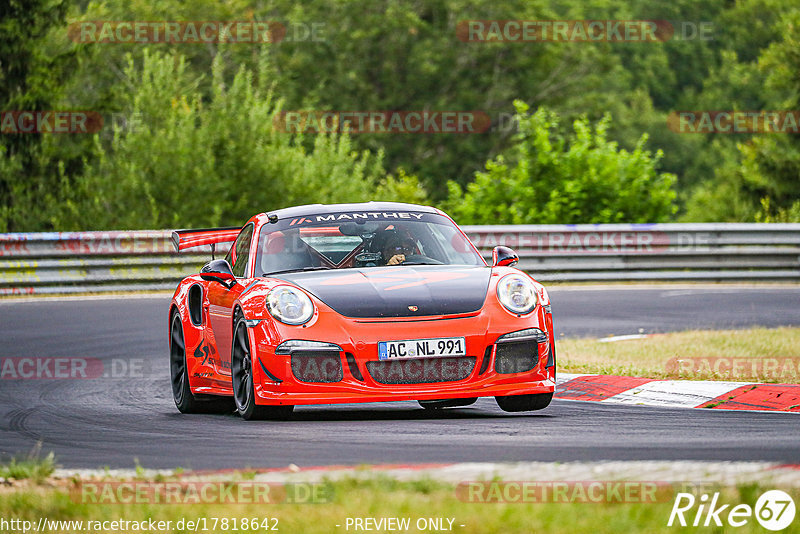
[[183, 239]]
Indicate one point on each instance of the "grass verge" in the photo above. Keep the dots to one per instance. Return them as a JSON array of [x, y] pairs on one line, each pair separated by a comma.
[[31, 467], [378, 497], [751, 355]]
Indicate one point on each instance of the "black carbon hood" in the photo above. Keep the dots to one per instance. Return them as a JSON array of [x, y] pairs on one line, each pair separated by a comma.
[[402, 291]]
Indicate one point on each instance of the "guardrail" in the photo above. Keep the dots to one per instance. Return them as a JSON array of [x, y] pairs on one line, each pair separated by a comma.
[[146, 260], [652, 252], [72, 262]]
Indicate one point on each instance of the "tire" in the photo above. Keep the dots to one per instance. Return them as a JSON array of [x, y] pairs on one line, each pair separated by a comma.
[[524, 403], [446, 403], [242, 379], [185, 400]]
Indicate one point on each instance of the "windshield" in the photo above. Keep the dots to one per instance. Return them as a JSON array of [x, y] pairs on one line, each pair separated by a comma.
[[348, 240]]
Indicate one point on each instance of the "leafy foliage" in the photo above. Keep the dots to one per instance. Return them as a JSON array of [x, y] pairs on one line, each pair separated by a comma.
[[187, 162], [579, 178], [197, 117], [29, 81], [762, 183]]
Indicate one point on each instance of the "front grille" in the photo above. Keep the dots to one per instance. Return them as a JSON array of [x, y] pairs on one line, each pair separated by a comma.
[[317, 366], [422, 370], [516, 357]]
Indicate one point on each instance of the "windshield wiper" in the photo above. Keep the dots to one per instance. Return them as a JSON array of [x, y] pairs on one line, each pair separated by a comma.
[[298, 270]]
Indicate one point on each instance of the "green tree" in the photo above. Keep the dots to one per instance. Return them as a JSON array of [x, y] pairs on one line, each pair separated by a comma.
[[389, 55], [381, 55], [188, 162], [762, 184], [30, 78], [579, 178]]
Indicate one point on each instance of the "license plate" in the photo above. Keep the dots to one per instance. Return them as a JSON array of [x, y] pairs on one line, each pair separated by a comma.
[[422, 348]]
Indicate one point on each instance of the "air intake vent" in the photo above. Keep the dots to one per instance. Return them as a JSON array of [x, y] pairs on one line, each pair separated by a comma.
[[516, 357], [487, 357], [422, 370], [353, 366], [317, 366], [195, 300]]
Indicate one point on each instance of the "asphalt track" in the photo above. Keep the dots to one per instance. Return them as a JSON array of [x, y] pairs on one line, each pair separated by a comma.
[[116, 421]]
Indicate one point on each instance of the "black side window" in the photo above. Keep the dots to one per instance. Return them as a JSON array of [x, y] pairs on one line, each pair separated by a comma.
[[240, 251]]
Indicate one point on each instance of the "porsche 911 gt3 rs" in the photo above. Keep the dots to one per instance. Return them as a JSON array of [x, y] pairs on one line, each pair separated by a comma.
[[345, 303]]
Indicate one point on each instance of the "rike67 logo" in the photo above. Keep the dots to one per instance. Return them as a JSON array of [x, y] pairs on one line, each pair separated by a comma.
[[774, 510]]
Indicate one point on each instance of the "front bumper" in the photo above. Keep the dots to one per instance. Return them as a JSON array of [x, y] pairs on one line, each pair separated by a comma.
[[352, 375]]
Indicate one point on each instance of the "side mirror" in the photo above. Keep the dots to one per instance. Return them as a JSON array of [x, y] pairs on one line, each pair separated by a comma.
[[504, 257], [218, 271]]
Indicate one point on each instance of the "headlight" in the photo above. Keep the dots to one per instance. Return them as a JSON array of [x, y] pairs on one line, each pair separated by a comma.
[[517, 294], [290, 305]]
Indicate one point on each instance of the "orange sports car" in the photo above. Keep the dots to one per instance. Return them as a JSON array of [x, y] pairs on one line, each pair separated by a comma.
[[345, 303]]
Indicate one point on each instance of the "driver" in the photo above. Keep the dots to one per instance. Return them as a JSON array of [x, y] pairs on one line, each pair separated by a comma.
[[397, 249]]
